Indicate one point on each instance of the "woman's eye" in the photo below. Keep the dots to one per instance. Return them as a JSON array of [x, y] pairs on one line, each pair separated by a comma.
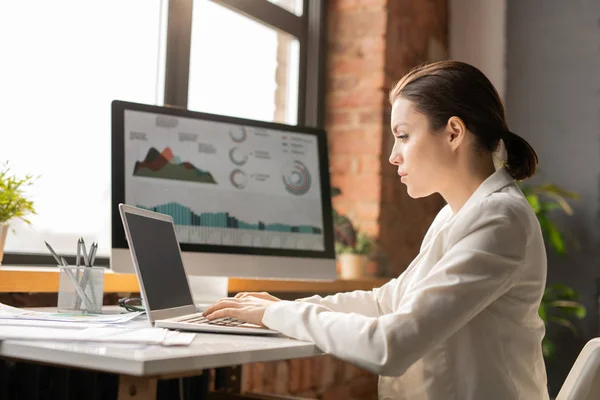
[[402, 137]]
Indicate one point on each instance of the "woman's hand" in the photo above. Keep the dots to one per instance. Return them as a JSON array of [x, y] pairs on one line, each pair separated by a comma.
[[248, 309], [260, 295]]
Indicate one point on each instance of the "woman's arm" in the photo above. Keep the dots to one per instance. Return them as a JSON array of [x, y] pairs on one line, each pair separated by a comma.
[[376, 302], [477, 270], [364, 302]]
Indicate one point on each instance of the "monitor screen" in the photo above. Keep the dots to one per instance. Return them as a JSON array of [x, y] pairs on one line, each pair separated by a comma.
[[232, 186]]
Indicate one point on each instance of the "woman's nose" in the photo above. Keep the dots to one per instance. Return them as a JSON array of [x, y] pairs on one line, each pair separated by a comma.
[[395, 158]]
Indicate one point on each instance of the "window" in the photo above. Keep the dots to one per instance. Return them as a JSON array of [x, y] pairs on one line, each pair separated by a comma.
[[70, 59], [294, 6], [250, 71]]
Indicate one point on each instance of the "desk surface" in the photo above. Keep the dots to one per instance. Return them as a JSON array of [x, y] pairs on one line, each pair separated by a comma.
[[45, 279], [207, 351]]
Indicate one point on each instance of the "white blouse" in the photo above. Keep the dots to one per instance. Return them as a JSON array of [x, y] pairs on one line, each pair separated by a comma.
[[461, 322]]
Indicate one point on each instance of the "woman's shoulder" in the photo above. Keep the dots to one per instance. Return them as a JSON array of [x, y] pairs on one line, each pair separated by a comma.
[[505, 207]]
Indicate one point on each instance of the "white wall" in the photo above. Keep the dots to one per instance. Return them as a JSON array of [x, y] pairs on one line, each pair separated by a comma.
[[477, 35]]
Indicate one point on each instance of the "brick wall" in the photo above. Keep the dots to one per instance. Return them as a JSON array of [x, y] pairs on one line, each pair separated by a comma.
[[417, 32], [371, 44], [322, 377]]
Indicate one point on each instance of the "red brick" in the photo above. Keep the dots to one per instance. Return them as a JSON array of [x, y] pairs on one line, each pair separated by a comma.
[[306, 381], [349, 369], [257, 377], [340, 392], [364, 47], [295, 372], [341, 163], [367, 211], [373, 3], [364, 387], [341, 118], [358, 24], [282, 378], [358, 98], [356, 65], [316, 371], [369, 227], [359, 187], [343, 83], [369, 163], [372, 116], [307, 394], [354, 142], [269, 377], [373, 44], [328, 374], [374, 80], [342, 207], [246, 384], [340, 5]]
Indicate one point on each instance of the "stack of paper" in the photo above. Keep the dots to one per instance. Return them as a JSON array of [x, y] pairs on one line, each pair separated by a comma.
[[157, 336], [18, 324], [8, 312]]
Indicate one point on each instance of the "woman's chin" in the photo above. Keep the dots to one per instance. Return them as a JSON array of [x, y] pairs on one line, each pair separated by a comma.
[[415, 193]]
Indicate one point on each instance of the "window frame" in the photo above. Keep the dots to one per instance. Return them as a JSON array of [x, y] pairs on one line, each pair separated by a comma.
[[310, 31]]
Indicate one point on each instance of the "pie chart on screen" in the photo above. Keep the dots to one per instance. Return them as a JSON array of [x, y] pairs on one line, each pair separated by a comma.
[[296, 178]]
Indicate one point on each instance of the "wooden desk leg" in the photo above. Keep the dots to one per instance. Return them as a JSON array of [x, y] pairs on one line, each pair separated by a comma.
[[137, 388]]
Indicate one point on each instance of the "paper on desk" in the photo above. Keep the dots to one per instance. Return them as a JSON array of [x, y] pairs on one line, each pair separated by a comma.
[[155, 336], [47, 324], [8, 312]]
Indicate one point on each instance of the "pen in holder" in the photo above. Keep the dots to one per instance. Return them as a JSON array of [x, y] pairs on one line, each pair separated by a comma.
[[80, 289]]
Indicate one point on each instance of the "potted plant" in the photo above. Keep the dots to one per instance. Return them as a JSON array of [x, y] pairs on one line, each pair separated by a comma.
[[559, 303], [13, 203], [353, 259]]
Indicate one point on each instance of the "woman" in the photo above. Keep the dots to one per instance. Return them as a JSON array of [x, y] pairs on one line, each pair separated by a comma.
[[462, 321]]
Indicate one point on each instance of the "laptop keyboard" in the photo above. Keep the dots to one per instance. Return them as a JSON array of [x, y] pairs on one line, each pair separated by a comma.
[[199, 319]]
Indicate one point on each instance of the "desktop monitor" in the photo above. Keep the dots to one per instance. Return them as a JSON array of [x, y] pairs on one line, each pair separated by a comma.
[[248, 198]]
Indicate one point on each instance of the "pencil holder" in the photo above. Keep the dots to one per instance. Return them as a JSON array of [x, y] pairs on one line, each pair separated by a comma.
[[80, 289]]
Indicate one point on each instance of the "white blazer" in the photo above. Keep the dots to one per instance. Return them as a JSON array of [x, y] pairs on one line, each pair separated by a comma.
[[461, 322]]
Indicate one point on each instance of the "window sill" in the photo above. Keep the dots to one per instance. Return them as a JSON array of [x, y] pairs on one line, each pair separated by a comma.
[[45, 280]]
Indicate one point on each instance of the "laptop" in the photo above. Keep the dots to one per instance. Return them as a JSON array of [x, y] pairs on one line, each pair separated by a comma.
[[163, 283]]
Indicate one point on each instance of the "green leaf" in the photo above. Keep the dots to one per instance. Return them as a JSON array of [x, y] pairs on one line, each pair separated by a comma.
[[534, 202], [557, 190], [542, 312], [556, 238], [564, 322], [548, 348], [547, 207], [562, 202], [13, 203]]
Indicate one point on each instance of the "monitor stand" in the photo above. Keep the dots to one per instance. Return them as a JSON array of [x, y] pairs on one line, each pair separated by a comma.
[[207, 290]]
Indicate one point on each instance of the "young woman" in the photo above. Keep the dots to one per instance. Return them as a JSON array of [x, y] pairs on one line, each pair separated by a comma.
[[461, 322]]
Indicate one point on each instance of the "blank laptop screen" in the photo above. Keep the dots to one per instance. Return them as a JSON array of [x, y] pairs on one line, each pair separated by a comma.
[[161, 268]]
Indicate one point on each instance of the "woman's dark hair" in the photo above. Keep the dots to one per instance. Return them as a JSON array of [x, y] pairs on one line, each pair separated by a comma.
[[446, 89]]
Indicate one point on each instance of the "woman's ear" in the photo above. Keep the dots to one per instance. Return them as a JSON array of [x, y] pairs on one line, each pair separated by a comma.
[[456, 131]]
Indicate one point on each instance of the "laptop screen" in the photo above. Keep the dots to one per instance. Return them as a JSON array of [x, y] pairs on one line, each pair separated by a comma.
[[159, 260]]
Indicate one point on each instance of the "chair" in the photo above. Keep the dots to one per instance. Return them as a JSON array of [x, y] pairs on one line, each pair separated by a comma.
[[583, 381]]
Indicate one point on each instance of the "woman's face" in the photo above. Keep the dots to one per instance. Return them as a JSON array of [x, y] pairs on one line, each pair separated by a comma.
[[422, 157]]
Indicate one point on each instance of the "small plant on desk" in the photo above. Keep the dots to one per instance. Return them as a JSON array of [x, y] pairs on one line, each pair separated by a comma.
[[353, 258], [13, 202]]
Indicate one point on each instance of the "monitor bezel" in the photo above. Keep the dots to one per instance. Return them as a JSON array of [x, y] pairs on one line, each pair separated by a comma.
[[118, 238]]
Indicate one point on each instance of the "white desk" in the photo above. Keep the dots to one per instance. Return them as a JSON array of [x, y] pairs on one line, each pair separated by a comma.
[[141, 366]]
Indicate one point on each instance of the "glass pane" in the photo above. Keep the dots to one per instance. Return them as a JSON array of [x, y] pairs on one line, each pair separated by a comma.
[[64, 61], [251, 72], [293, 6]]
